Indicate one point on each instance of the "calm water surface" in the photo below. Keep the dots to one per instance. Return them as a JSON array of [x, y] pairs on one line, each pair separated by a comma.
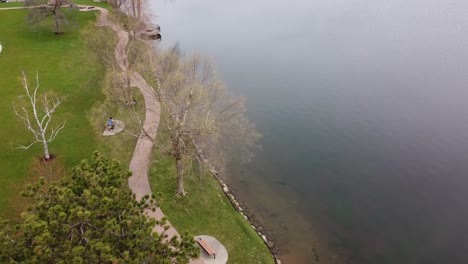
[[364, 110]]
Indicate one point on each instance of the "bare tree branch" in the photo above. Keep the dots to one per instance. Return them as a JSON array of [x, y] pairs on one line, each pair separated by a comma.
[[45, 8], [42, 115], [198, 112]]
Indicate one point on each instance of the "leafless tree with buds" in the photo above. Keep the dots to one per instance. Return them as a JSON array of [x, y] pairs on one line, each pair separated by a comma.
[[36, 115], [198, 113]]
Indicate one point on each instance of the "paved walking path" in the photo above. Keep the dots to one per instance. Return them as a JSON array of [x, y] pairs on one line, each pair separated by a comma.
[[15, 7], [139, 164], [18, 7]]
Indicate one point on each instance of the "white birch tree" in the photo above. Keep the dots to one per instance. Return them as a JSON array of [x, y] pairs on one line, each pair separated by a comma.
[[36, 116]]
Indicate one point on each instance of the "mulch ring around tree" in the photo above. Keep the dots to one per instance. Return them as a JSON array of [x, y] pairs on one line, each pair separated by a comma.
[[51, 157]]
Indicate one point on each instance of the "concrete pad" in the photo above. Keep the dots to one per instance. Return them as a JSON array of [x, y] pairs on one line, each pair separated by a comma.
[[221, 252], [119, 126]]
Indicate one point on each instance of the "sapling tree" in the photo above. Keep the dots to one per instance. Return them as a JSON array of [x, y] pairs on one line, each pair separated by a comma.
[[36, 115]]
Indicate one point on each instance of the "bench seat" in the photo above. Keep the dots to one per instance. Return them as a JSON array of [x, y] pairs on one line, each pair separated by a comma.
[[209, 250]]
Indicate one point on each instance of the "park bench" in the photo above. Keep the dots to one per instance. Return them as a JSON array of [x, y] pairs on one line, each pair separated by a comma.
[[210, 251]]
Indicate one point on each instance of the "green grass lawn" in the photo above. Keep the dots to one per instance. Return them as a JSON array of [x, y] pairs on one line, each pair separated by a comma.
[[206, 210], [64, 68], [12, 4], [121, 146]]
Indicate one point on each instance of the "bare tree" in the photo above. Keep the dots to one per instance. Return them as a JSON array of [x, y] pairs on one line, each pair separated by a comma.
[[198, 112], [135, 8], [165, 63], [117, 3], [45, 8], [37, 115], [136, 52]]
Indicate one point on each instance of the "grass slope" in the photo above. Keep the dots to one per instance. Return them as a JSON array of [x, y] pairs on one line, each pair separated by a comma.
[[63, 67], [206, 210]]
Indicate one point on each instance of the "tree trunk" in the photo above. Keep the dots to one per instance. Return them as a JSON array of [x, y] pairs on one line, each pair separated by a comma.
[[56, 17], [46, 147], [57, 26], [139, 8], [180, 176], [128, 93], [133, 8]]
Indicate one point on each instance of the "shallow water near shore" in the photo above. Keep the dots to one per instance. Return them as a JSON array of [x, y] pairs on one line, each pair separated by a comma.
[[363, 106]]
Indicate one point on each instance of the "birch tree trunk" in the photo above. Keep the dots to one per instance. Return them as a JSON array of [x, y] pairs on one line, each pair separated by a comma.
[[46, 147]]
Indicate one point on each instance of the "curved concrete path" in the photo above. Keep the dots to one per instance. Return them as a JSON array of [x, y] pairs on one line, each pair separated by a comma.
[[17, 7], [139, 164]]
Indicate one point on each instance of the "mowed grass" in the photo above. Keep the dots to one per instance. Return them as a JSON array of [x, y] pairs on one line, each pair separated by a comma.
[[64, 68], [206, 210], [12, 4]]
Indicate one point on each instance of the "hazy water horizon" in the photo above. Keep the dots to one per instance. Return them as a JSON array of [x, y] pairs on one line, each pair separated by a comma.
[[363, 108]]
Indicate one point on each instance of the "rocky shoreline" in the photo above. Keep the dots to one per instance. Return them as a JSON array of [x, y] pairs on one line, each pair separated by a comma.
[[275, 251]]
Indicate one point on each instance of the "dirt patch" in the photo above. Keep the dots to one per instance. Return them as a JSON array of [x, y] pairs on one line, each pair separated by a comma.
[[44, 159]]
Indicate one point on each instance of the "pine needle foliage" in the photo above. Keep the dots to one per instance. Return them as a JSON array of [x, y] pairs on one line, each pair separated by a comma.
[[89, 216]]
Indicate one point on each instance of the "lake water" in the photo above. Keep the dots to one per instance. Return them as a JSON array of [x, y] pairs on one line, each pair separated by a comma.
[[364, 110]]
